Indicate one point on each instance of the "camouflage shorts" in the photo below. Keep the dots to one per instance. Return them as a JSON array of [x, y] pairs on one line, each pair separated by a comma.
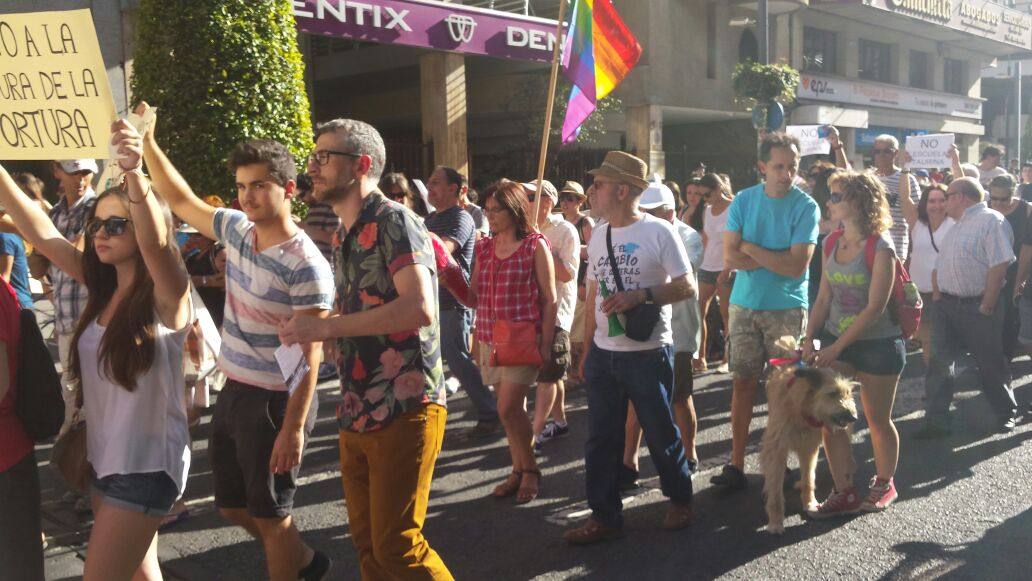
[[753, 333]]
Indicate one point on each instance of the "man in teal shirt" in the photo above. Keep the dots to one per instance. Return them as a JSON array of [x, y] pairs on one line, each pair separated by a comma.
[[770, 238]]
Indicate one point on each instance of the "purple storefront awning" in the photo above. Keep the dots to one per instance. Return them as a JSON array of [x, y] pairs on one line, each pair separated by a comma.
[[433, 25]]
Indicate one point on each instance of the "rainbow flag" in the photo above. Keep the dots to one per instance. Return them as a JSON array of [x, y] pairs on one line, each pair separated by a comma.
[[600, 50]]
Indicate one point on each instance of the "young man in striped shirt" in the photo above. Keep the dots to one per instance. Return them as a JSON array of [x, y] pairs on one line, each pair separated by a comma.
[[273, 271]]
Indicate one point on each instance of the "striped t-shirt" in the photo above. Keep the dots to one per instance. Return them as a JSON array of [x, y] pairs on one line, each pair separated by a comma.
[[900, 232], [262, 290], [321, 217]]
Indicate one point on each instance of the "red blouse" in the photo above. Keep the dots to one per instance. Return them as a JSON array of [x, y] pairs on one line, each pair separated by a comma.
[[507, 288]]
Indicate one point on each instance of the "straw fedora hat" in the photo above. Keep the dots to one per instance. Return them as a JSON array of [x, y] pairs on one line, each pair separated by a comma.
[[572, 187], [624, 168]]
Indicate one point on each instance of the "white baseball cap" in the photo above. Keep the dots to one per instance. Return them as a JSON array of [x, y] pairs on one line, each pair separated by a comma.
[[657, 195], [77, 165], [546, 188]]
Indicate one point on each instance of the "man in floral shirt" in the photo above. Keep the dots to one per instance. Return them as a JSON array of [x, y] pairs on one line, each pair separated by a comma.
[[388, 337]]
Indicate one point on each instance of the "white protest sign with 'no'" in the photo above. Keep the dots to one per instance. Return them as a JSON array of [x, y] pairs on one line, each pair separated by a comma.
[[55, 101], [929, 151], [813, 139]]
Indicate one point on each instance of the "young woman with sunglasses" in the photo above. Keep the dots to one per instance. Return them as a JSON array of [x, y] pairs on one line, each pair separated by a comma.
[[127, 357]]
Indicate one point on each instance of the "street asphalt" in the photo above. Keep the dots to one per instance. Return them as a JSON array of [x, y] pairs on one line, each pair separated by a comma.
[[964, 510]]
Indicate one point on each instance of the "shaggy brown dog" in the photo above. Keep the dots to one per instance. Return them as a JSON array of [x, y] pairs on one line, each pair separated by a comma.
[[800, 401]]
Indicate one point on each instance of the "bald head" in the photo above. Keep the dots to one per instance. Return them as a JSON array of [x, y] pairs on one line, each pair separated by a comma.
[[967, 187]]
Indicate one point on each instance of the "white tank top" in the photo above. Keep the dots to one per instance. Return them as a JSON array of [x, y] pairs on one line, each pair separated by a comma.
[[144, 430], [923, 253], [714, 227]]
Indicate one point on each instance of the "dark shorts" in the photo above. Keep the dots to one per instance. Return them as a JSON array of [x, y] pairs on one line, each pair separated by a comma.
[[684, 376], [152, 493], [872, 356], [708, 276], [245, 424], [555, 369]]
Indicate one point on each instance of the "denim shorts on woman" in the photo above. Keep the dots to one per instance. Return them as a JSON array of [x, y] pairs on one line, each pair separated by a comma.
[[152, 493], [871, 356]]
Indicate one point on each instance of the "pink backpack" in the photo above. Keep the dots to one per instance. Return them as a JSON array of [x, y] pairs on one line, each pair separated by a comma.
[[905, 301]]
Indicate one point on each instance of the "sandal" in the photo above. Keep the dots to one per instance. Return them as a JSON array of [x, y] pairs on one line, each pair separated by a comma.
[[699, 366], [510, 486], [525, 493], [591, 532]]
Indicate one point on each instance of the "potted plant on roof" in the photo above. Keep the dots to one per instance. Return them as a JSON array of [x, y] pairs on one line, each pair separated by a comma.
[[764, 87]]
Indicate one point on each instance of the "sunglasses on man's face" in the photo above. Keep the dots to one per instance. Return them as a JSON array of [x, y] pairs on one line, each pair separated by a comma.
[[113, 226], [531, 197], [883, 151]]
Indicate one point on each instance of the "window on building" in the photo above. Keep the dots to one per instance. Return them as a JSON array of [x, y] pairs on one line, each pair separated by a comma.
[[711, 41], [819, 50], [748, 47], [919, 70], [875, 61], [954, 78]]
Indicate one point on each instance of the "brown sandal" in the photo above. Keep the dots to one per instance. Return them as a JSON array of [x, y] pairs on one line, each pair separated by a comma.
[[510, 486], [591, 532], [526, 494]]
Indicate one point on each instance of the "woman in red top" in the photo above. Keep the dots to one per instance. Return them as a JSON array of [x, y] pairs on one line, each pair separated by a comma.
[[513, 280], [21, 550]]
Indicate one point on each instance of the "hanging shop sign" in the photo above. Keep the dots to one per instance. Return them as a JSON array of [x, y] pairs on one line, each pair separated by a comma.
[[870, 94], [428, 24]]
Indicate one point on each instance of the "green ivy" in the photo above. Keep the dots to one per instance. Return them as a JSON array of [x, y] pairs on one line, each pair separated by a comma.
[[755, 83], [221, 72]]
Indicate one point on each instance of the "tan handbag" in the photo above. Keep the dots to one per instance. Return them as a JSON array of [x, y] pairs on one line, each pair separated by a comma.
[[69, 453]]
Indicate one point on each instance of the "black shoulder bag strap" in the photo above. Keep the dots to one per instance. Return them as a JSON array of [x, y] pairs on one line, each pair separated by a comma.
[[612, 258]]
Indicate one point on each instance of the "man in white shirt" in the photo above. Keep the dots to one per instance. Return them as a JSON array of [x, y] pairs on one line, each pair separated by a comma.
[[989, 165], [562, 237], [630, 354], [658, 200]]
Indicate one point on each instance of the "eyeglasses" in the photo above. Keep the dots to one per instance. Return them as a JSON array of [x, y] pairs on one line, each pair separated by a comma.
[[883, 151], [836, 197], [531, 197], [322, 157], [113, 226], [396, 196]]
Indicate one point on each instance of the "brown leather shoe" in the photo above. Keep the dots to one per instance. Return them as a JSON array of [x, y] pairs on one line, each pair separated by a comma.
[[592, 532], [678, 516]]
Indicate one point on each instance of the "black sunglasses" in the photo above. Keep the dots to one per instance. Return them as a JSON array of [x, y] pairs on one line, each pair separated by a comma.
[[113, 226], [881, 151], [322, 157], [836, 197], [531, 197]]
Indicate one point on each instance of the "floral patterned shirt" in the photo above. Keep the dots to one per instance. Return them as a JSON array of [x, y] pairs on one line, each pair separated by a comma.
[[384, 376]]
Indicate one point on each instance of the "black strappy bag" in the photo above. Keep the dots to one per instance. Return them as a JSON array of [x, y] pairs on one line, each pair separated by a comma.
[[641, 320]]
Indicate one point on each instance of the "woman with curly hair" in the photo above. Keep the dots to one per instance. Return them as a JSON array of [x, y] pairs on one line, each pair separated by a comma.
[[858, 335]]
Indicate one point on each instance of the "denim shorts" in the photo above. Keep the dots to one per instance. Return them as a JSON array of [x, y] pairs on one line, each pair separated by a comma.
[[152, 493], [885, 356]]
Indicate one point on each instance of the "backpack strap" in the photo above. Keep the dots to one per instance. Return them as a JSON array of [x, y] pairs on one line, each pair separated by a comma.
[[872, 243], [831, 240]]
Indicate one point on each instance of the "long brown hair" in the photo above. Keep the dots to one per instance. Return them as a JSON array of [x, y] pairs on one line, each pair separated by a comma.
[[510, 196], [127, 346]]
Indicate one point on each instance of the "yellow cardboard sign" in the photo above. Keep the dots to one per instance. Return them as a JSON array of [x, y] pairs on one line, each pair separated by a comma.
[[55, 100]]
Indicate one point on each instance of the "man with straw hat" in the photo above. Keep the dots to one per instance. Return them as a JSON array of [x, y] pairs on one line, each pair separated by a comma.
[[630, 355]]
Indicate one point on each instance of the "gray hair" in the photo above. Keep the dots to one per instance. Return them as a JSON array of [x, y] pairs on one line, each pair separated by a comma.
[[971, 170], [358, 137], [969, 188], [889, 138]]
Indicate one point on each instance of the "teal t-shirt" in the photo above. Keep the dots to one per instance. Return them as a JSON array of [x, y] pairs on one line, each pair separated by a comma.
[[775, 224]]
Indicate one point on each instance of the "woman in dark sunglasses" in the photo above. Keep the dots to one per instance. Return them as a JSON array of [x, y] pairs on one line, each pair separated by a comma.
[[127, 356]]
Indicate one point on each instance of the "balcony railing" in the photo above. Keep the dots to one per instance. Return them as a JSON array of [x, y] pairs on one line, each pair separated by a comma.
[[539, 8]]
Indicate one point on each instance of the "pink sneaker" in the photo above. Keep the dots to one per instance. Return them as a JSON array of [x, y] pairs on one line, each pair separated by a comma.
[[837, 504], [880, 496]]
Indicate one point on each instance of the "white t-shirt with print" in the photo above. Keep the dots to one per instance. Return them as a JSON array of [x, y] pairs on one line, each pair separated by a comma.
[[648, 254]]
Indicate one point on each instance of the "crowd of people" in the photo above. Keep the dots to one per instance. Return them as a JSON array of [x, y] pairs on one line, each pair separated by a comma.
[[630, 288]]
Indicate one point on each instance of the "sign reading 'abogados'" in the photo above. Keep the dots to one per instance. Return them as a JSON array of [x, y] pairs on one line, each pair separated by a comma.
[[427, 24], [55, 101]]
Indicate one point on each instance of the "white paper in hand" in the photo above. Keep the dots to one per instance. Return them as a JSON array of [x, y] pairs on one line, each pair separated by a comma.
[[929, 151], [293, 365]]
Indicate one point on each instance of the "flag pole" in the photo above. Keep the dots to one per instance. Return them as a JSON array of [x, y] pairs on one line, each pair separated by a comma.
[[556, 49]]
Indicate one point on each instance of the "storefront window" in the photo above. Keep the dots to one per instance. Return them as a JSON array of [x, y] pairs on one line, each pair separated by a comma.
[[954, 78], [919, 69], [819, 54], [875, 61]]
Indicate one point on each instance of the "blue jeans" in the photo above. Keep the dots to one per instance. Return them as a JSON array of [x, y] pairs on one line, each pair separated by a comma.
[[455, 332], [646, 378]]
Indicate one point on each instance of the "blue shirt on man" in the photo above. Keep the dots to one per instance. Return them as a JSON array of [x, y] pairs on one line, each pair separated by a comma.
[[775, 224], [13, 246]]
